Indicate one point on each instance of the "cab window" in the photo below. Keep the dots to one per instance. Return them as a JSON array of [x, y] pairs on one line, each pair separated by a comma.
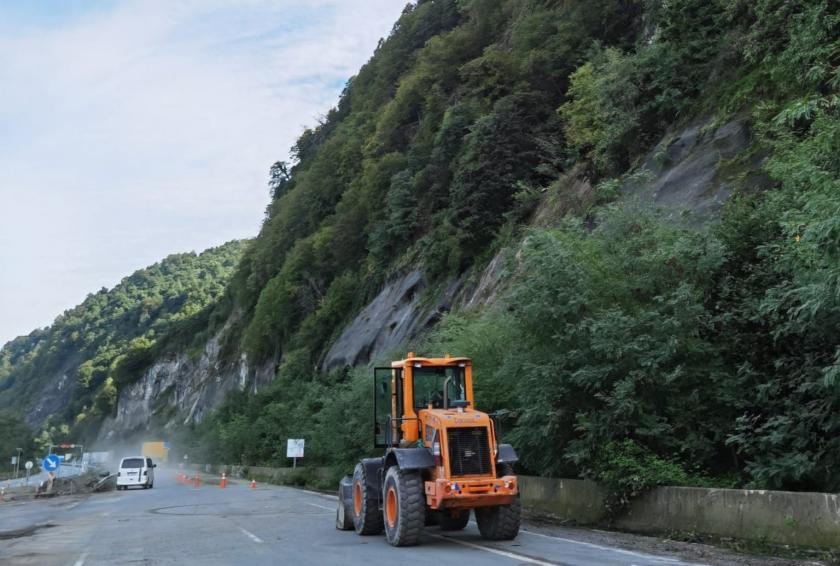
[[132, 463], [434, 384]]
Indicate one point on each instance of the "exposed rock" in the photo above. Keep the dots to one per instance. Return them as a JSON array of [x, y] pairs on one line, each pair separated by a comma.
[[183, 390], [486, 290], [55, 395], [403, 308], [686, 174]]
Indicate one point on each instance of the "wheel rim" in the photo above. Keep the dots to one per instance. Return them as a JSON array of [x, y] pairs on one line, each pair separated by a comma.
[[391, 507], [357, 498]]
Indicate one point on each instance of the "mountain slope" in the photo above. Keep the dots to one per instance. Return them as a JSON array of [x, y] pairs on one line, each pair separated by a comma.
[[70, 371], [625, 343], [489, 184]]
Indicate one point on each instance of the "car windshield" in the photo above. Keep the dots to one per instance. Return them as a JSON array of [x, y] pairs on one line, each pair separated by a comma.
[[429, 384], [132, 463]]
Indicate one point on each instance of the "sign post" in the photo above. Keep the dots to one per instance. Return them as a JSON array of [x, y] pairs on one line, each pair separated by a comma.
[[294, 450], [28, 467]]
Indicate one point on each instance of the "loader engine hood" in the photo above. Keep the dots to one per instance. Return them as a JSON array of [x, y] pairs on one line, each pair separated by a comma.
[[465, 441]]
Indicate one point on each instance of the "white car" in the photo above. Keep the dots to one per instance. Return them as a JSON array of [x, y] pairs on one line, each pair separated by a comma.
[[136, 470]]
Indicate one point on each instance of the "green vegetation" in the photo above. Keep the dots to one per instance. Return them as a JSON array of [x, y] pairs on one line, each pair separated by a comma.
[[109, 339], [626, 349], [14, 434], [420, 162]]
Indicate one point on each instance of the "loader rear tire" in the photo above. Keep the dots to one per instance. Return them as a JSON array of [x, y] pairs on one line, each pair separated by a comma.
[[404, 507], [502, 521], [343, 514], [367, 520], [449, 521]]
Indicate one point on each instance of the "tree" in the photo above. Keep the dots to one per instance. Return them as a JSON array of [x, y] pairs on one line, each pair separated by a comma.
[[279, 178], [14, 434]]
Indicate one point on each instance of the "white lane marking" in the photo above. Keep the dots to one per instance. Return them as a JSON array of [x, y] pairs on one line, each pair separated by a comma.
[[251, 536], [318, 493], [664, 559], [505, 553], [82, 558], [321, 506]]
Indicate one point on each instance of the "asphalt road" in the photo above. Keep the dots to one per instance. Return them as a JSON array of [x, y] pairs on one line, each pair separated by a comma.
[[178, 524]]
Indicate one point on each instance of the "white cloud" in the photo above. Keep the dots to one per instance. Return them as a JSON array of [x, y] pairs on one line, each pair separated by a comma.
[[147, 128]]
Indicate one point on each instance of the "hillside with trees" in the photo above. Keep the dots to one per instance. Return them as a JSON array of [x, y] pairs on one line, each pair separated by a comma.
[[65, 378], [622, 345]]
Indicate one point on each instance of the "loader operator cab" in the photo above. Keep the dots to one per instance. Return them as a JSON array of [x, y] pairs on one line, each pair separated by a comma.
[[413, 385]]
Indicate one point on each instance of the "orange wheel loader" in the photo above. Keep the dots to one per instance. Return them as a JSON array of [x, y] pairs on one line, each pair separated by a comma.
[[441, 459]]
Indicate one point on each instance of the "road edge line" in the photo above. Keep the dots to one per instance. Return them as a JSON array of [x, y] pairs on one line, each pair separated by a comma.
[[498, 551]]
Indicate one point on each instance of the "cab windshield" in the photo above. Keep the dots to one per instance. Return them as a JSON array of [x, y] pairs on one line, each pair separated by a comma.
[[433, 385]]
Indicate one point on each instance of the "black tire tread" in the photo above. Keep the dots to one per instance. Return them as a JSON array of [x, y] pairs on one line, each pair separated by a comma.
[[411, 501], [502, 521], [370, 520]]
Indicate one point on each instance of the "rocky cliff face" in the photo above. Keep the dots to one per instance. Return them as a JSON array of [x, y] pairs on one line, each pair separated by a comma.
[[55, 395], [402, 310], [183, 390], [691, 172]]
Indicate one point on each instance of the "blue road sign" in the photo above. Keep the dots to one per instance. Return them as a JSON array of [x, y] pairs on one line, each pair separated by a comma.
[[165, 445], [51, 463]]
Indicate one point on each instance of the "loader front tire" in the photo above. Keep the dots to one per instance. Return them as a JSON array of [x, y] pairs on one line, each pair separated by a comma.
[[367, 520], [502, 521], [404, 507]]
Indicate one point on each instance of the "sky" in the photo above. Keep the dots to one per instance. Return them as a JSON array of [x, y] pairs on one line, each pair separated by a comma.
[[130, 130]]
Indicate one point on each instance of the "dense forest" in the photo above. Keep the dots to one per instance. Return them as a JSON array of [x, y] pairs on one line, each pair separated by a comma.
[[104, 341], [624, 346]]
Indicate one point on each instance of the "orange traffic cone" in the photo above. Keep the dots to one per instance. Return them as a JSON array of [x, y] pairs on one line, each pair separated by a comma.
[[253, 484], [197, 482], [223, 481]]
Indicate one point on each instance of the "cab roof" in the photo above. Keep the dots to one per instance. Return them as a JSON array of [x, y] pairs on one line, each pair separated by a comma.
[[447, 360]]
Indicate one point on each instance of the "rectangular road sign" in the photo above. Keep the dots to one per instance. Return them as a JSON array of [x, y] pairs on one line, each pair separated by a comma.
[[14, 460], [294, 448]]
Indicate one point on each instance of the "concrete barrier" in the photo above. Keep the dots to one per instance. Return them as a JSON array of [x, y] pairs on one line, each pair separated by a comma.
[[778, 517], [577, 501], [775, 517]]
